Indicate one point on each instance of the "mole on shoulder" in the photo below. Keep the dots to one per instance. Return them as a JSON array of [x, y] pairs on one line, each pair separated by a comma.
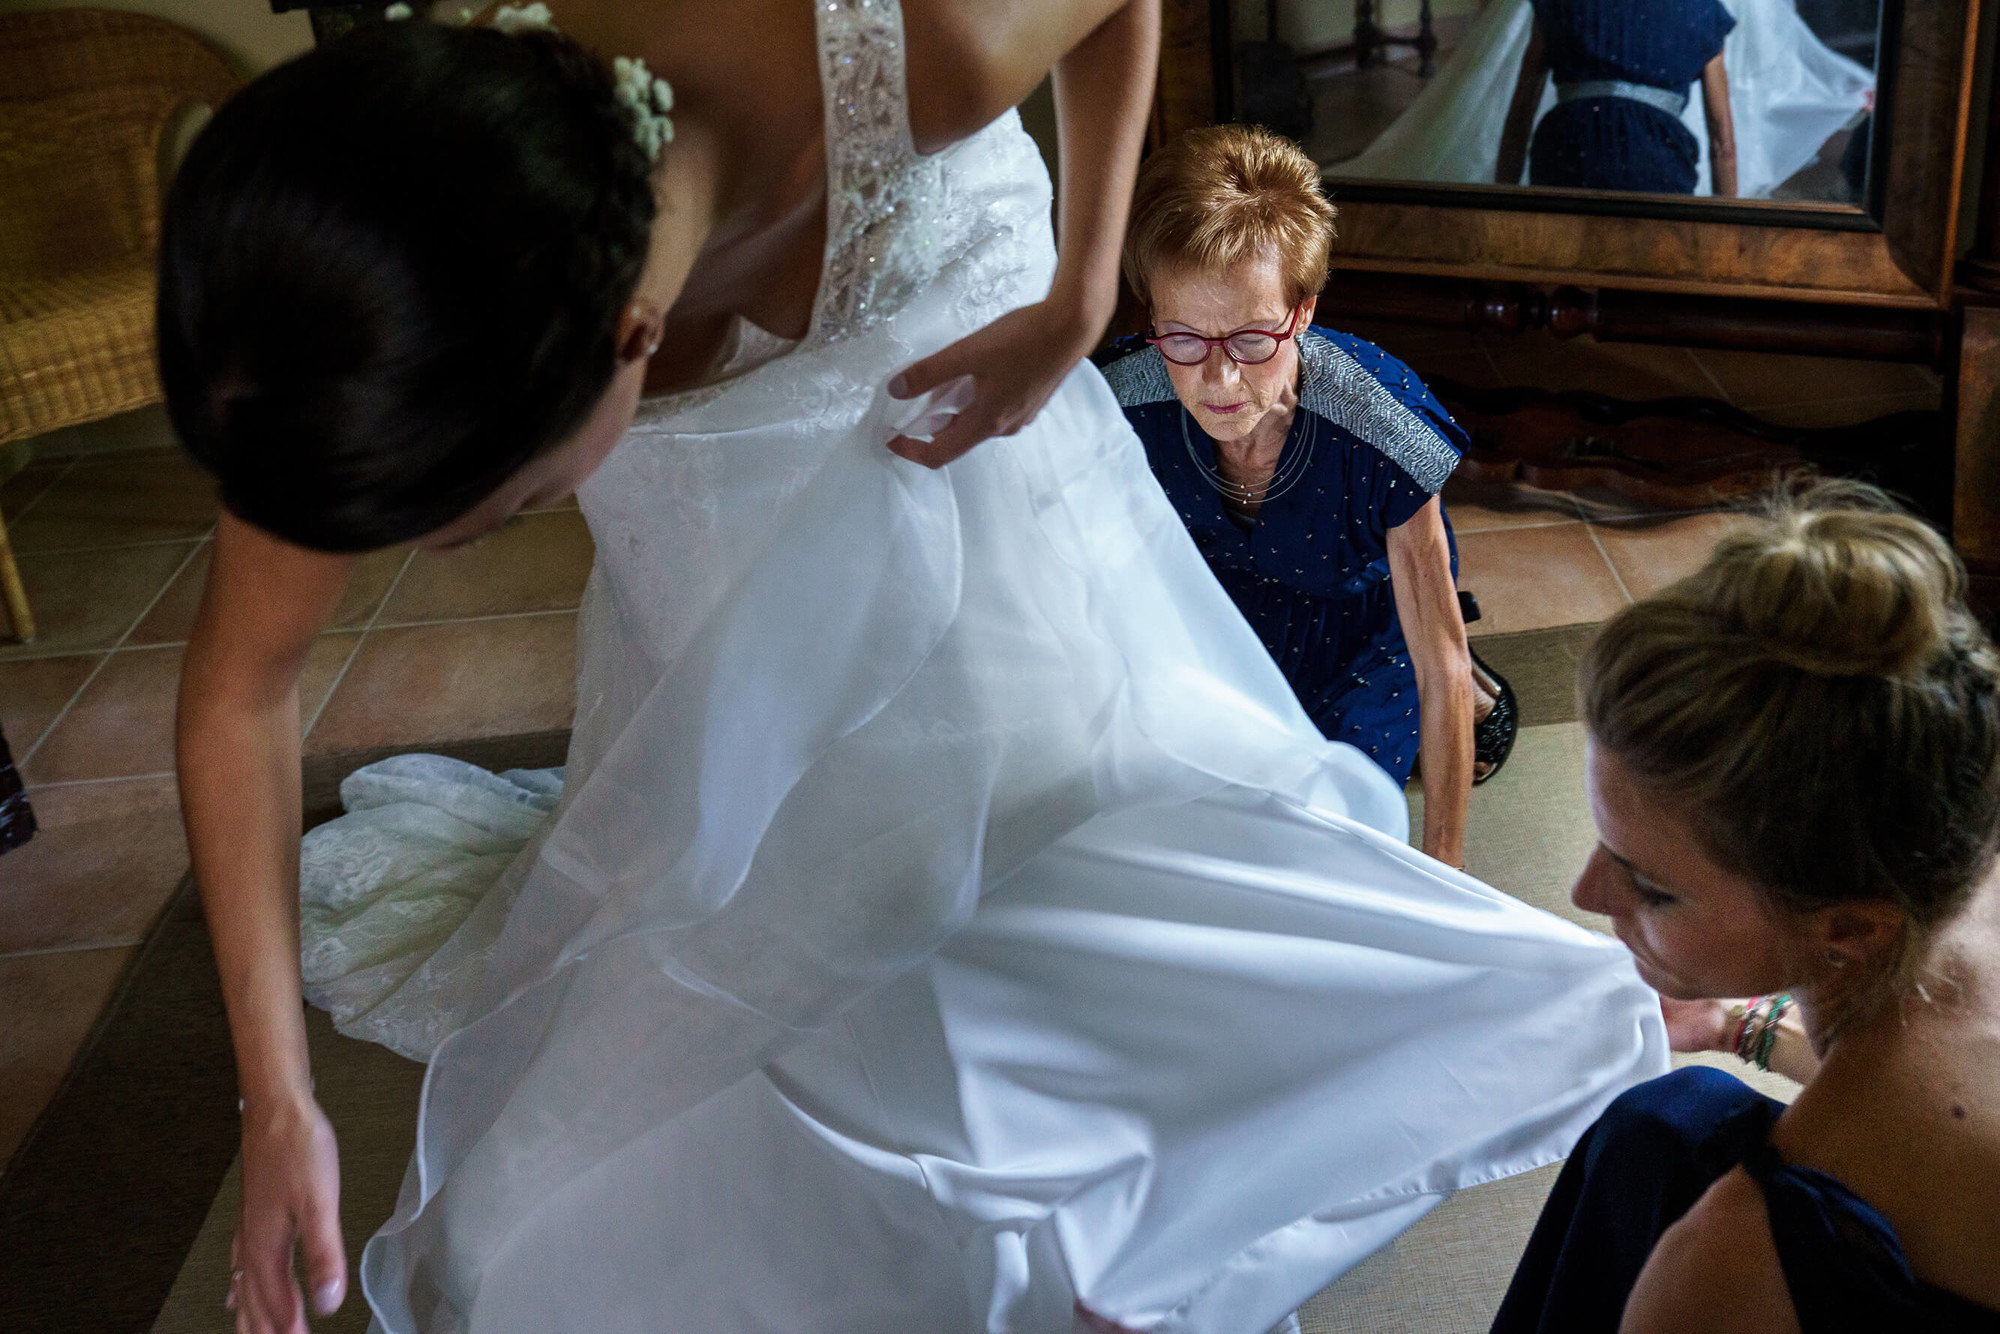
[[1958, 1112]]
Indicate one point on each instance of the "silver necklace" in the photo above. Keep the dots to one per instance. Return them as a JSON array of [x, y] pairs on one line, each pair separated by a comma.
[[1292, 466]]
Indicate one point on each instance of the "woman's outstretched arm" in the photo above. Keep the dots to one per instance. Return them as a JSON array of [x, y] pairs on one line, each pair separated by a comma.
[[238, 759], [1103, 87], [1427, 605]]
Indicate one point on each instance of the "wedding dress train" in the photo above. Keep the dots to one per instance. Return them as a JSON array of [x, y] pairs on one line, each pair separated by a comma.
[[947, 915]]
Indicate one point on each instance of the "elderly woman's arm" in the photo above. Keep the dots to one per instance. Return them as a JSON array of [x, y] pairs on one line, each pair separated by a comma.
[[1427, 605]]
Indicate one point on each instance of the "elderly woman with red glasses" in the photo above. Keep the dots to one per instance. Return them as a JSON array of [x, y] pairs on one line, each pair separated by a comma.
[[1306, 464]]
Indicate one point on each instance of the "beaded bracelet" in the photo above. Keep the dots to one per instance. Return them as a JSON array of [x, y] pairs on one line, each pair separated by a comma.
[[1757, 1029]]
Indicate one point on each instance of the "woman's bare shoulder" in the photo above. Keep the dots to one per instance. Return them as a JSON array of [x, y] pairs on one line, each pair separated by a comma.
[[1716, 1270], [972, 60]]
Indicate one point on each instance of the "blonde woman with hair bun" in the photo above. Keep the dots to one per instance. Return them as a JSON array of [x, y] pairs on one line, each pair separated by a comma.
[[1794, 764]]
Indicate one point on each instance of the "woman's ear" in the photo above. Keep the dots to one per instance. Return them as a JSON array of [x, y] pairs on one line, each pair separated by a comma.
[[638, 336], [1857, 932], [1308, 309]]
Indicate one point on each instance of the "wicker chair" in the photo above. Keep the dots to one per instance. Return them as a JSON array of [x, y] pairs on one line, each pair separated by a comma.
[[85, 96]]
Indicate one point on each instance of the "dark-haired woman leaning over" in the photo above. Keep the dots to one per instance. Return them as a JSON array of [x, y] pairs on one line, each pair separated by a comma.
[[1793, 769]]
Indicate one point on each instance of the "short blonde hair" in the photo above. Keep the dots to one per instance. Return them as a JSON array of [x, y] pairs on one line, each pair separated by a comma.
[[1224, 194]]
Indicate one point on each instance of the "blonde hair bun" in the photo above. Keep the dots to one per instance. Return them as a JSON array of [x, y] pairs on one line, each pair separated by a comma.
[[1837, 582], [1820, 703]]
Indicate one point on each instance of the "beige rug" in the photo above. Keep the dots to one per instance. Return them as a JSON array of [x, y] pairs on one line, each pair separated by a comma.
[[1529, 834]]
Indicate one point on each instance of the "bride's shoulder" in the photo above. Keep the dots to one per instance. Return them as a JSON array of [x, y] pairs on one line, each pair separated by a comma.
[[970, 61]]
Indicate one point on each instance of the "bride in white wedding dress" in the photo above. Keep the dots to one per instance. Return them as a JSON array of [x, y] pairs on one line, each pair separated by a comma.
[[947, 919]]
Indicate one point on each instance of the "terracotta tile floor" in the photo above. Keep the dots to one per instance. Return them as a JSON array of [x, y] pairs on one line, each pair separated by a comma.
[[114, 548]]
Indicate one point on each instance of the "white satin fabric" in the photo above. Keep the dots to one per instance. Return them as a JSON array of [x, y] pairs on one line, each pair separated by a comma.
[[1788, 93], [949, 914]]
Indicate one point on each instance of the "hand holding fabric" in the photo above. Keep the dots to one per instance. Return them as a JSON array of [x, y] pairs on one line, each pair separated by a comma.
[[1013, 365]]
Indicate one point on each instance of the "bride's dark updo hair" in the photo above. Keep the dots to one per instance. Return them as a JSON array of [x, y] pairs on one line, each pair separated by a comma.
[[1822, 704], [391, 273]]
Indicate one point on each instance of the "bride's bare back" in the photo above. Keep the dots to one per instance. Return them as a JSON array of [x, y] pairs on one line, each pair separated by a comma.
[[750, 70]]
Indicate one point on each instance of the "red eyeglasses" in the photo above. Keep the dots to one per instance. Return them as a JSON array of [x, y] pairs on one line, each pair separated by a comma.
[[1245, 347]]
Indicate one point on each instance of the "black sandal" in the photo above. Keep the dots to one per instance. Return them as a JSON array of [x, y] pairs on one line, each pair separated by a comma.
[[1493, 735]]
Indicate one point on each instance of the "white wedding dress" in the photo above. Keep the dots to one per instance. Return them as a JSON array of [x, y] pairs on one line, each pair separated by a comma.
[[1788, 93], [947, 915]]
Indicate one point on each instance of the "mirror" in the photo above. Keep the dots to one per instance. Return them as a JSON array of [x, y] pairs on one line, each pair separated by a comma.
[[1575, 104]]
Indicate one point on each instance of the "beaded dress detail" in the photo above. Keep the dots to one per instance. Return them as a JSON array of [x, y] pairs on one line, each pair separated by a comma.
[[946, 914]]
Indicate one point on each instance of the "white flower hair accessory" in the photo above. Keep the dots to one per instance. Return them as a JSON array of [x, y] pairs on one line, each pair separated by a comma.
[[512, 19], [648, 97]]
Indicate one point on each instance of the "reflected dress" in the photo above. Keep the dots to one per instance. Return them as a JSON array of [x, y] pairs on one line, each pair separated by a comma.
[[946, 917], [1606, 57], [1369, 446]]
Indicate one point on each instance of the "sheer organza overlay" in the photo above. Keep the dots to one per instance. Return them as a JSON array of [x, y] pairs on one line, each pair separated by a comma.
[[948, 914]]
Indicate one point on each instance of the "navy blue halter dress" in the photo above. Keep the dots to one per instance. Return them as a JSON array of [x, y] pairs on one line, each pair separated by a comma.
[[1369, 447], [1644, 1164], [1607, 141]]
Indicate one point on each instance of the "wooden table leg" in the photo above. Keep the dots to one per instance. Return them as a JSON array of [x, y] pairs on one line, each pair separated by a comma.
[[12, 590]]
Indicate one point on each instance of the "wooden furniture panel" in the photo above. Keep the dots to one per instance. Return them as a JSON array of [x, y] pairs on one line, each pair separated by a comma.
[[1976, 467]]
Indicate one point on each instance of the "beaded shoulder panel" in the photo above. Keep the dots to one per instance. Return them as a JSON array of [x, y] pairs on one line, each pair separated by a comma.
[[1342, 390], [1140, 378], [1332, 384]]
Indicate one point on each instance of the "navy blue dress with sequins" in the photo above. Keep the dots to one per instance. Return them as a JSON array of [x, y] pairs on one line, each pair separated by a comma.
[[1369, 447], [1621, 143]]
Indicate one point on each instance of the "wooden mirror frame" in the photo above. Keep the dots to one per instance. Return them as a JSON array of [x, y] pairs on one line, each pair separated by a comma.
[[1906, 264]]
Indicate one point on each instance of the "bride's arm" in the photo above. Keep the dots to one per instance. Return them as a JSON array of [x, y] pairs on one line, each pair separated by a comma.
[[1102, 86], [238, 762]]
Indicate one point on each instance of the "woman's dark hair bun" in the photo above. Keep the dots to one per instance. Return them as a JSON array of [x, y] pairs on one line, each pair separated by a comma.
[[391, 272]]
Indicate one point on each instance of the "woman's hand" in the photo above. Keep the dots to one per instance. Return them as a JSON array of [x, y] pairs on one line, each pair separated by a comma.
[[1015, 363], [1103, 89], [1697, 1025], [291, 1196]]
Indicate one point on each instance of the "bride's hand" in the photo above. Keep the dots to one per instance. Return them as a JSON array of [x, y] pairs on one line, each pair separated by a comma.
[[1015, 363], [291, 1195]]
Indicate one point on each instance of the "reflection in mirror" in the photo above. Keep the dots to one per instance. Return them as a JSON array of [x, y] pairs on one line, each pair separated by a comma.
[[1759, 99]]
